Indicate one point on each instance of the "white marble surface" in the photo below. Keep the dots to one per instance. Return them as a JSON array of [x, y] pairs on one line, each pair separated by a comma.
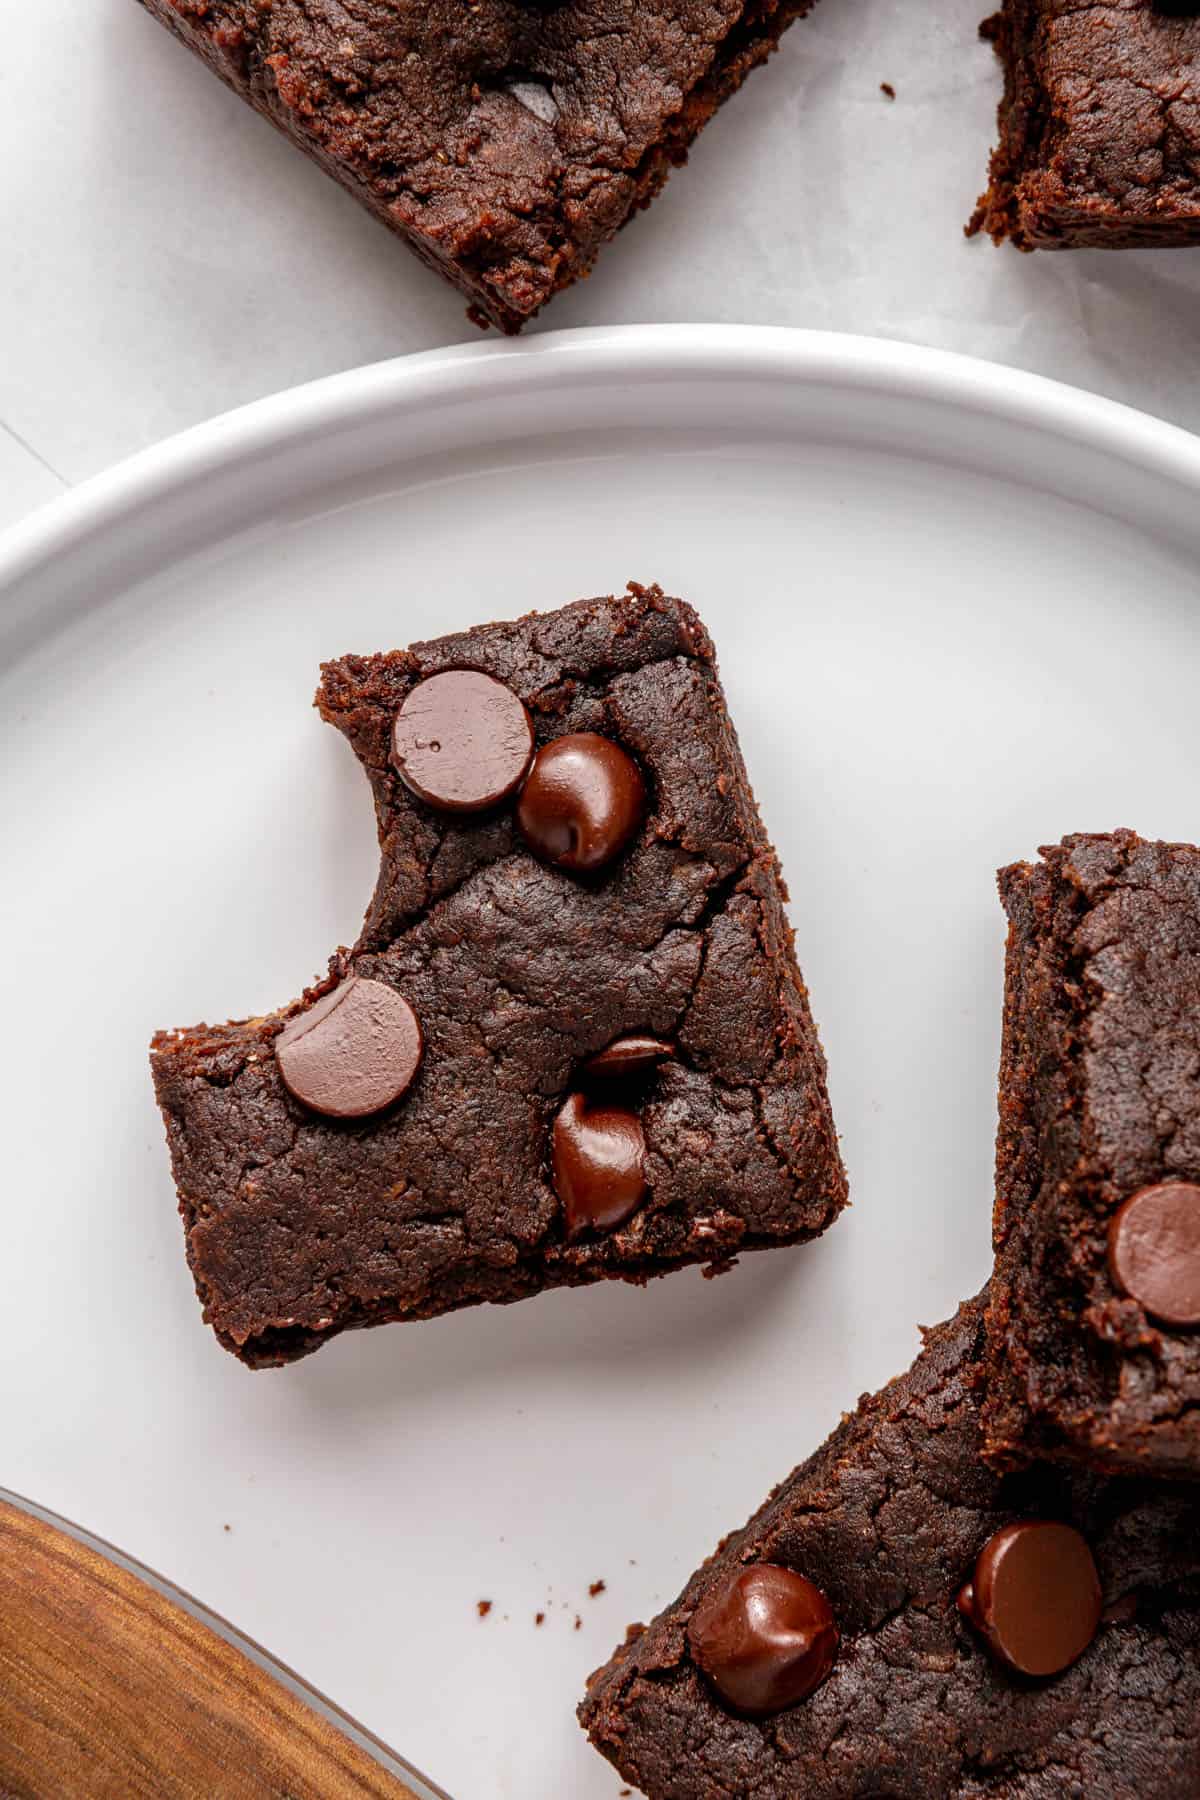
[[167, 256]]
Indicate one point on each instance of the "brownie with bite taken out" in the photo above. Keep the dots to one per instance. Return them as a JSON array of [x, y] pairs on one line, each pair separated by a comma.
[[571, 1042]]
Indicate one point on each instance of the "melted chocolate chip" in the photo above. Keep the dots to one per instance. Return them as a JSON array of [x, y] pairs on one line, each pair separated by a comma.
[[598, 1155], [1154, 1251], [1035, 1599], [765, 1639], [583, 801], [353, 1053], [627, 1057], [462, 741]]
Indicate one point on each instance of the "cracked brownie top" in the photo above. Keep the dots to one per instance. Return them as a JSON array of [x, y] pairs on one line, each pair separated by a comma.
[[1094, 1350], [510, 1160], [1099, 124], [1124, 81]]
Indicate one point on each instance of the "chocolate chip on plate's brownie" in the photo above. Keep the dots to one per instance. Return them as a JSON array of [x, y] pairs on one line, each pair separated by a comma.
[[898, 1620], [571, 1042], [1099, 125], [1093, 1346], [505, 140]]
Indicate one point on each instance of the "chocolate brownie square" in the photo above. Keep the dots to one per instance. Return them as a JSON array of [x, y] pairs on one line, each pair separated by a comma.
[[898, 1620], [504, 140], [1093, 1347], [571, 1042], [1099, 125]]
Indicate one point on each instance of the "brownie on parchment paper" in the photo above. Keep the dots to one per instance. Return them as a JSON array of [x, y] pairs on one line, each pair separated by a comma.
[[1093, 1348], [1099, 125], [899, 1620], [572, 1041], [504, 140]]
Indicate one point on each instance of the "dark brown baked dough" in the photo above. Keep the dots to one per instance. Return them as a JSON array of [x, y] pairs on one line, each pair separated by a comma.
[[1099, 125], [1099, 1097], [887, 1519], [505, 140], [298, 1227]]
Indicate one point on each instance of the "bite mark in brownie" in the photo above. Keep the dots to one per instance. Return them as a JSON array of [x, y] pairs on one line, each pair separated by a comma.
[[519, 972], [1099, 125], [505, 140], [1099, 1099], [887, 1520]]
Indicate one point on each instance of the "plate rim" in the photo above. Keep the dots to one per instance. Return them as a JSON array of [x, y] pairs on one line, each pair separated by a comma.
[[432, 380]]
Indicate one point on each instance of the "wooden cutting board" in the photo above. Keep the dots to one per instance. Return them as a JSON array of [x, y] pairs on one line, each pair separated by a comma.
[[111, 1690]]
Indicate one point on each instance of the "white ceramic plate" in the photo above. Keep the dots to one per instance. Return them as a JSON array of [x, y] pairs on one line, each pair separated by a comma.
[[956, 614]]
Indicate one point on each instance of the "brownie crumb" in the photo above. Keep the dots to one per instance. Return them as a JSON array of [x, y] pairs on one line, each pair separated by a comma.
[[539, 1618], [720, 1266], [597, 1587], [227, 1528], [578, 1623], [885, 87], [483, 1608]]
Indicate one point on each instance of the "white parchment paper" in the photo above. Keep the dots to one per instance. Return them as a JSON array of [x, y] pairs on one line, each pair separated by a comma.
[[167, 255]]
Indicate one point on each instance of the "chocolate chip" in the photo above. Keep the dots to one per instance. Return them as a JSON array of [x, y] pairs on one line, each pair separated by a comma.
[[352, 1053], [462, 741], [584, 799], [765, 1639], [1154, 1251], [627, 1056], [1035, 1598], [598, 1155]]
